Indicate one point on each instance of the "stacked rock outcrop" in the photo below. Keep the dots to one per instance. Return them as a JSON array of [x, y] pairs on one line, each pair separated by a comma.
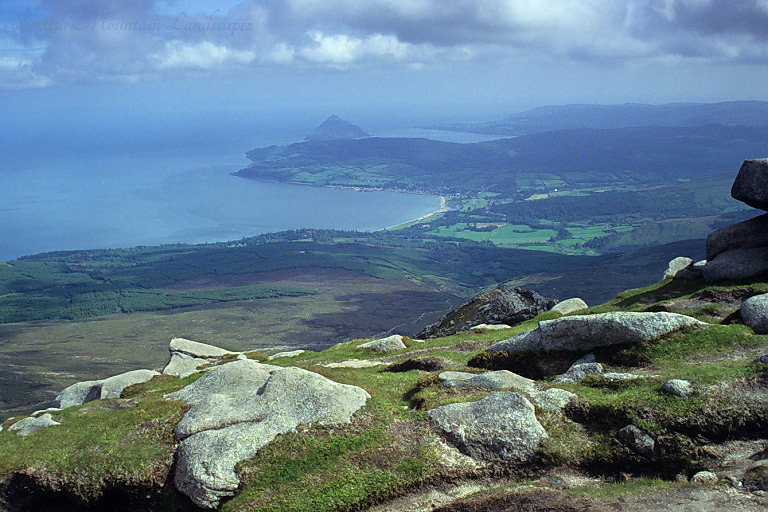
[[740, 251], [503, 305]]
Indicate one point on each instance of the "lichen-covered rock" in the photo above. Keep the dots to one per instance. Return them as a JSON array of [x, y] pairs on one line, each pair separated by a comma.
[[751, 184], [705, 477], [87, 391], [114, 386], [552, 399], [188, 356], [76, 394], [577, 372], [737, 265], [639, 441], [503, 305], [569, 306], [581, 333], [237, 408], [676, 265], [749, 234], [388, 344], [754, 313], [491, 327], [292, 353], [28, 425], [492, 381], [678, 387], [501, 426], [620, 376]]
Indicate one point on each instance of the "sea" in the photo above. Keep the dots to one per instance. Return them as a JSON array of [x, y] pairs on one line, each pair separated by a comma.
[[86, 195]]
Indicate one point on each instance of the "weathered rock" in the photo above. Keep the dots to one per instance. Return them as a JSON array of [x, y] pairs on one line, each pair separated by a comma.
[[502, 425], [763, 359], [87, 391], [620, 377], [737, 265], [76, 394], [427, 364], [751, 184], [569, 306], [580, 333], [355, 363], [577, 372], [676, 265], [749, 234], [114, 386], [237, 408], [678, 387], [188, 356], [491, 327], [639, 441], [388, 344], [28, 425], [292, 353], [552, 399], [493, 381], [503, 305], [705, 477], [754, 312]]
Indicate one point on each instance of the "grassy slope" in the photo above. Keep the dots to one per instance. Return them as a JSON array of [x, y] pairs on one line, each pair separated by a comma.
[[389, 447]]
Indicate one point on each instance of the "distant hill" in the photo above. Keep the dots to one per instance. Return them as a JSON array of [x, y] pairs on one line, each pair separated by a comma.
[[336, 128], [577, 158], [560, 117]]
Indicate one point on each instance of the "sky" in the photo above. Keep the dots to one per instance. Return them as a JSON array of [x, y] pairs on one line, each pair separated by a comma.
[[100, 63]]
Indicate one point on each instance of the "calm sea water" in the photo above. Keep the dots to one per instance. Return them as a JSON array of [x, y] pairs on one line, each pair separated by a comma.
[[121, 201]]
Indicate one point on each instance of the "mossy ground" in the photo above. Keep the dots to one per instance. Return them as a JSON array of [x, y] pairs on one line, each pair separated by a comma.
[[389, 449]]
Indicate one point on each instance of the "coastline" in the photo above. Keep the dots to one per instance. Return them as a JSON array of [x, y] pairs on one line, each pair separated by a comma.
[[443, 208]]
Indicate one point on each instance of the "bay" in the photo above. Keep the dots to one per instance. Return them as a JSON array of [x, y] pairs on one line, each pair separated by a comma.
[[103, 201]]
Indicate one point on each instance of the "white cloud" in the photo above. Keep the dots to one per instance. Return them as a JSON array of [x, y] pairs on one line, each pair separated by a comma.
[[202, 55]]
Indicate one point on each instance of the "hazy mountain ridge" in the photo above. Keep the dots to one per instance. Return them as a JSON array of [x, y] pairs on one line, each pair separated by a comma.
[[575, 116]]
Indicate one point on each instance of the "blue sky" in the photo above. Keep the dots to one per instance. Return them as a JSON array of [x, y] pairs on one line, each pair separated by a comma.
[[128, 61]]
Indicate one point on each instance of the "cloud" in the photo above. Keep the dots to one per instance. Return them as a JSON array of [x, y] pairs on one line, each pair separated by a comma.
[[86, 40], [203, 55], [343, 49]]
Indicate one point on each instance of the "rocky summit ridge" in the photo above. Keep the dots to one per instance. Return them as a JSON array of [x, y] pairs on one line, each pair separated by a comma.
[[663, 389]]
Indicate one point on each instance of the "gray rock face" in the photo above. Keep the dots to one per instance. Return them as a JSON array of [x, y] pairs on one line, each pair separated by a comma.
[[580, 333], [705, 477], [188, 356], [502, 425], [754, 312], [388, 344], [749, 234], [678, 387], [114, 386], [751, 184], [619, 376], [737, 265], [493, 381], [504, 305], [676, 265], [237, 408], [76, 394], [292, 353], [577, 372], [28, 425], [763, 359], [639, 441], [87, 391], [552, 399], [491, 327], [569, 306]]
